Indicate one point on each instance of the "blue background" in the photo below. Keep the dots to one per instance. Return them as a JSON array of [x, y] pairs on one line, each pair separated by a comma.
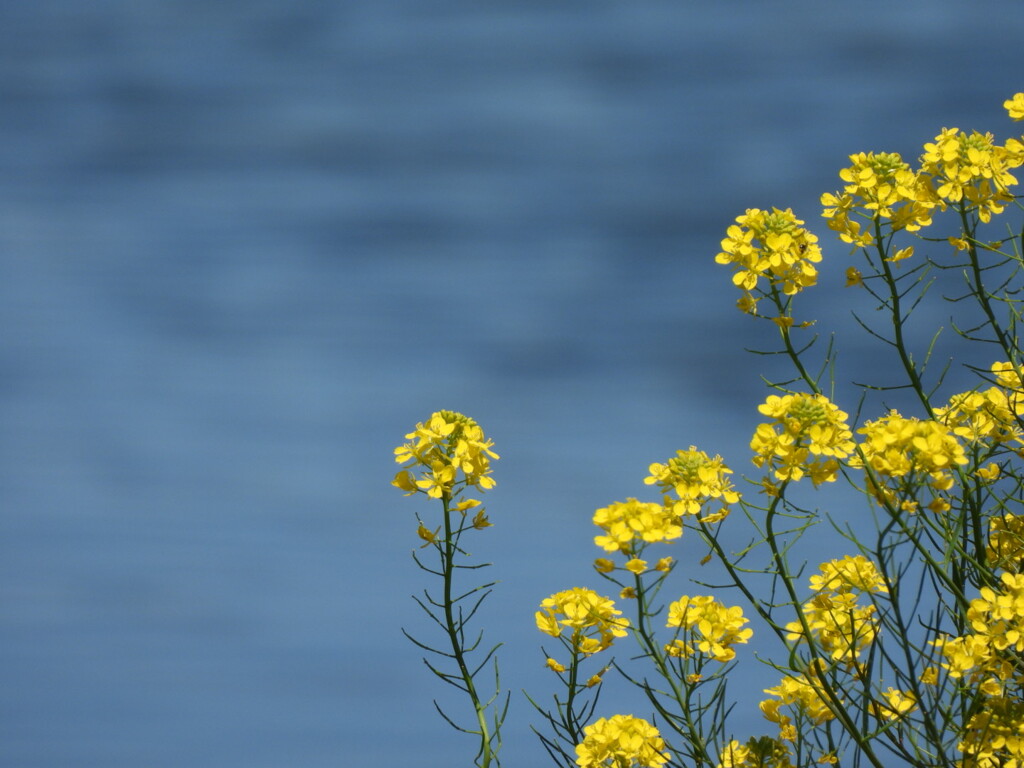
[[246, 245]]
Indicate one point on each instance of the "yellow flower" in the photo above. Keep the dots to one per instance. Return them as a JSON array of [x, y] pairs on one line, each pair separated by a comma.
[[1006, 542], [853, 572], [443, 448], [621, 741], [426, 534], [664, 565], [1015, 106], [695, 478], [555, 666], [972, 169], [900, 255], [624, 522], [773, 247], [839, 626], [879, 187], [897, 704], [592, 620], [805, 693], [708, 626], [628, 593], [807, 435], [636, 565], [853, 277], [604, 565], [895, 447]]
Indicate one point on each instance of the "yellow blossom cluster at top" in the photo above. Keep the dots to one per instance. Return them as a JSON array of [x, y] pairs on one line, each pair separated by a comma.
[[707, 626], [896, 447], [621, 741], [838, 623], [625, 522], [972, 168], [695, 478], [804, 692], [593, 620], [769, 247], [447, 450], [878, 186], [807, 435]]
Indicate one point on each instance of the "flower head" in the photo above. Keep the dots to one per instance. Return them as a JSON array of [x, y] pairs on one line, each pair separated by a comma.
[[592, 621], [708, 627], [770, 250], [695, 479], [807, 434], [621, 741], [971, 168], [448, 450], [626, 522]]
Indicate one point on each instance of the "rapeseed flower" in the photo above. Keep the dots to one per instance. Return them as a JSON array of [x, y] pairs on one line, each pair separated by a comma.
[[592, 620], [626, 522], [770, 251], [1015, 106], [971, 169], [621, 741], [695, 478], [708, 627], [448, 450], [878, 187], [807, 435], [895, 447]]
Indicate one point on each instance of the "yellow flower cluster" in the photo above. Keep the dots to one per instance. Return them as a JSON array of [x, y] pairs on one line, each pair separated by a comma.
[[1006, 542], [972, 168], [854, 573], [804, 692], [621, 741], [1015, 106], [878, 186], [708, 627], [624, 522], [772, 246], [593, 620], [994, 737], [807, 435], [991, 415], [764, 752], [997, 621], [838, 624], [895, 447], [695, 478], [447, 446]]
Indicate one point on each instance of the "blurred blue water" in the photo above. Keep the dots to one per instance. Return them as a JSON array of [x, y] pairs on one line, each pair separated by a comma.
[[245, 246]]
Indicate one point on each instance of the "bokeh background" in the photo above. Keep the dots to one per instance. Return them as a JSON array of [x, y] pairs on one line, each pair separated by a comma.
[[247, 244]]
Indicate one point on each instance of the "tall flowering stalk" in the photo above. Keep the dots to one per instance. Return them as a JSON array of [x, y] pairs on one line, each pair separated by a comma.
[[446, 458]]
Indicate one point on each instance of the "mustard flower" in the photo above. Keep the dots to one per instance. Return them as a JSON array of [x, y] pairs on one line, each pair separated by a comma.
[[878, 187], [636, 566], [853, 277], [852, 573], [807, 435], [709, 627], [990, 415], [604, 565], [695, 478], [805, 693], [621, 741], [895, 447], [664, 564], [994, 736], [624, 522], [838, 624], [443, 448], [896, 705], [773, 248], [1015, 106], [592, 620], [764, 752], [972, 169], [1006, 542]]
